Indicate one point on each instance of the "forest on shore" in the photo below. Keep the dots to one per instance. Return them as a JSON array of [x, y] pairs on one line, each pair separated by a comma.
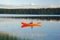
[[31, 11]]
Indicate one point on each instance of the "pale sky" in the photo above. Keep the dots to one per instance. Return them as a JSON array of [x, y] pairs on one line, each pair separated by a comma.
[[18, 2], [40, 3]]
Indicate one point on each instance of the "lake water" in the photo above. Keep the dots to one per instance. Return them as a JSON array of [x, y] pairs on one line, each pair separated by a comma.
[[50, 30], [26, 15]]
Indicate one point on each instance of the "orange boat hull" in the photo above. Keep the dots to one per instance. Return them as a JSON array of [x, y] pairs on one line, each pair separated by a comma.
[[24, 24]]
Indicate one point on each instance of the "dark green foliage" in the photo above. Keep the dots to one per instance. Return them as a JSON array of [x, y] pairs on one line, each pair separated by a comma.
[[31, 11], [4, 36]]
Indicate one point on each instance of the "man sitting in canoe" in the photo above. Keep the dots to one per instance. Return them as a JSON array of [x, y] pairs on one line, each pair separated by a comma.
[[31, 23]]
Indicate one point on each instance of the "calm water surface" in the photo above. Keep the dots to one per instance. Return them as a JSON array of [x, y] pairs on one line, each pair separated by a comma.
[[50, 30]]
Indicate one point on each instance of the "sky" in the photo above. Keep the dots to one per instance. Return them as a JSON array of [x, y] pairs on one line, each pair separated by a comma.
[[17, 2], [30, 2]]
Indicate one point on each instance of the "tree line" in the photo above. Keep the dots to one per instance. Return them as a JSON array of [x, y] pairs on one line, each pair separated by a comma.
[[31, 11]]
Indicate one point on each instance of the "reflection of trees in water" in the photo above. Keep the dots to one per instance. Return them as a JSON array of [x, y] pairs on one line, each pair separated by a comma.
[[41, 18], [38, 17]]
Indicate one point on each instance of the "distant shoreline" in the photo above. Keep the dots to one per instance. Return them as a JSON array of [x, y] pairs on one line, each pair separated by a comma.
[[31, 11]]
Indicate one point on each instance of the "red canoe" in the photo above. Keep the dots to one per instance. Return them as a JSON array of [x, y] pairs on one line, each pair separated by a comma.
[[24, 24]]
